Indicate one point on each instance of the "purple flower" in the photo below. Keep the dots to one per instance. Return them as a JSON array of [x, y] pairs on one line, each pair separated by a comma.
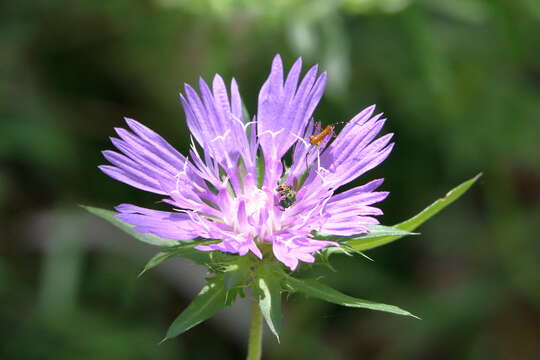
[[236, 186]]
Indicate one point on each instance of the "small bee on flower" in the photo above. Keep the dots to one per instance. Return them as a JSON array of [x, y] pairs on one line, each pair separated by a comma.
[[287, 195]]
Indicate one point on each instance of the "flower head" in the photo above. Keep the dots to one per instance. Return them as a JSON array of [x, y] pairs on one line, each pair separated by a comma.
[[236, 184]]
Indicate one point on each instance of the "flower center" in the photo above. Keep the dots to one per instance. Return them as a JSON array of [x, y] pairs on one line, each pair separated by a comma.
[[256, 201]]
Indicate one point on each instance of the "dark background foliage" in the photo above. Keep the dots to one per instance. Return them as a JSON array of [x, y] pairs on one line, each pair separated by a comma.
[[459, 81]]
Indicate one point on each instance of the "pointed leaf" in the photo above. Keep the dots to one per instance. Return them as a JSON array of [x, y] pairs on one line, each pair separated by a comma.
[[156, 260], [375, 231], [342, 249], [208, 302], [146, 238], [417, 220], [269, 298], [318, 290], [437, 206]]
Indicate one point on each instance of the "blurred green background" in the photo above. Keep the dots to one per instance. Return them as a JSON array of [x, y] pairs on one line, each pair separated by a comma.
[[459, 81]]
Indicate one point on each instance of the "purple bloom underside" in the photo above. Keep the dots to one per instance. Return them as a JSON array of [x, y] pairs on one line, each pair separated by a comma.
[[218, 192]]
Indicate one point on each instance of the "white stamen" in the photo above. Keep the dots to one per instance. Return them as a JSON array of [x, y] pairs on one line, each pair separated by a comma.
[[272, 133], [244, 125], [306, 144], [221, 137]]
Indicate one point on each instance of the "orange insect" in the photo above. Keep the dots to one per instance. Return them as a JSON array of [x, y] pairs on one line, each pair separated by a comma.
[[318, 139]]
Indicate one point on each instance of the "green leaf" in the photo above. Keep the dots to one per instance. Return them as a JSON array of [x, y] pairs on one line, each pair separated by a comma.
[[437, 206], [269, 298], [370, 241], [156, 260], [187, 251], [146, 238], [231, 279], [375, 231], [318, 290], [210, 300], [342, 249], [417, 220]]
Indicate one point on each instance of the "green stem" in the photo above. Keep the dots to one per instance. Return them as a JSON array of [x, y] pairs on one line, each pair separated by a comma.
[[255, 333]]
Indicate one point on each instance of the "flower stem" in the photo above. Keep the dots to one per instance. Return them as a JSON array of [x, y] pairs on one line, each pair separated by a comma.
[[255, 333]]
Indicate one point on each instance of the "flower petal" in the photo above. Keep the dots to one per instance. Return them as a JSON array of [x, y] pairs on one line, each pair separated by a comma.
[[234, 245], [284, 109], [293, 249], [349, 211], [170, 225], [217, 123], [146, 156], [150, 163], [354, 152]]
